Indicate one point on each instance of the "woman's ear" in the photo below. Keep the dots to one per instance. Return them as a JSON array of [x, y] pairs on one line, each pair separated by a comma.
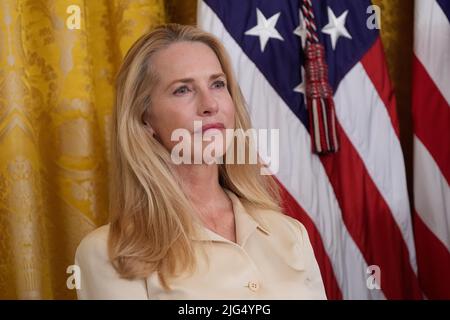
[[146, 123], [149, 128]]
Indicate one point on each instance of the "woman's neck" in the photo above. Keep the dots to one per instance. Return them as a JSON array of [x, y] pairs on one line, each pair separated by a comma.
[[213, 206], [200, 182]]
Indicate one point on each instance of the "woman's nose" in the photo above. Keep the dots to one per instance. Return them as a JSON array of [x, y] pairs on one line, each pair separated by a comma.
[[207, 104]]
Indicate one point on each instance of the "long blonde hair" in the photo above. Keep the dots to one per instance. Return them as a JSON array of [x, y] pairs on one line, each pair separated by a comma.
[[150, 216]]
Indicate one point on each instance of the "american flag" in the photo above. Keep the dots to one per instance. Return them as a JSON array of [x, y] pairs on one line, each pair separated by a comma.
[[431, 118], [354, 202]]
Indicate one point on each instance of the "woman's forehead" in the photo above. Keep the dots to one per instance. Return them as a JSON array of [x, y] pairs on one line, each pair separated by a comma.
[[185, 58]]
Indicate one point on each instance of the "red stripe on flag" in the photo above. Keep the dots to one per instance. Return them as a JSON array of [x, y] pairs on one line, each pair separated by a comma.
[[431, 117], [370, 222], [433, 260], [375, 65], [293, 209]]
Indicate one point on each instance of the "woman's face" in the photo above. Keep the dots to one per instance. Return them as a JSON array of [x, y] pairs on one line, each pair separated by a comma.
[[191, 86]]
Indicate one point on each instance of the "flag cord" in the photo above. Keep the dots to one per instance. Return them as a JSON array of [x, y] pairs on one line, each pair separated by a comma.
[[319, 93]]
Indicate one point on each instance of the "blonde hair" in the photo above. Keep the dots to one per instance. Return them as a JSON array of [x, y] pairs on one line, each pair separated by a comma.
[[151, 219]]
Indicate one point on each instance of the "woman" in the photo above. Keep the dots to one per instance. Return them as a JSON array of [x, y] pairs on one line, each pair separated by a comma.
[[207, 230]]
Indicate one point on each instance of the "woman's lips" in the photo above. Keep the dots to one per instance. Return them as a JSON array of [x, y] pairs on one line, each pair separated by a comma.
[[217, 125]]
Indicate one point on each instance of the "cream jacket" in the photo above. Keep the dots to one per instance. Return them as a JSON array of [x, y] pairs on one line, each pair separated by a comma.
[[271, 259]]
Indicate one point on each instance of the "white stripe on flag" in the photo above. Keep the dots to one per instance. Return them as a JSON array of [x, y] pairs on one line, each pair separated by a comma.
[[431, 193], [432, 43], [365, 119], [302, 173]]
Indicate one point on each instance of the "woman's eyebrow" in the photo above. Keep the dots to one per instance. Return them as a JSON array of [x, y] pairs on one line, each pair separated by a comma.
[[217, 75], [190, 80]]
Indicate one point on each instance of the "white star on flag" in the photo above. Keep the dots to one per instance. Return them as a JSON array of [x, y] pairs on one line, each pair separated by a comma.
[[301, 29], [265, 29], [336, 27]]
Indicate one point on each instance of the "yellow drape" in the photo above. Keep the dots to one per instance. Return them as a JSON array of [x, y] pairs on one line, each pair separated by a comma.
[[56, 94]]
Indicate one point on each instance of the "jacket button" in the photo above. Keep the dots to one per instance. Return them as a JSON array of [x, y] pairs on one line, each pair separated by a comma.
[[254, 286]]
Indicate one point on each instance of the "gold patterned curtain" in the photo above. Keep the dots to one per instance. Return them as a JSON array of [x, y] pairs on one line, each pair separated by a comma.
[[56, 94]]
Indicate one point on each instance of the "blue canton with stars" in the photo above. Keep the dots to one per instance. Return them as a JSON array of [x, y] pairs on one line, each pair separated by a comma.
[[271, 32]]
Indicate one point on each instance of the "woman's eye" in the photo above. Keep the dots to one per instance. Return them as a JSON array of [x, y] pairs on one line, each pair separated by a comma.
[[219, 84], [181, 90]]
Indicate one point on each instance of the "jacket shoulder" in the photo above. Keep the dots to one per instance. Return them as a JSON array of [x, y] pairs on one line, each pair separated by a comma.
[[99, 279], [94, 246]]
